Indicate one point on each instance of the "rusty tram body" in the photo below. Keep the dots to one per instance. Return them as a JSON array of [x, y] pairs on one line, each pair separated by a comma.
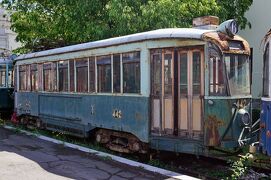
[[181, 90], [265, 120]]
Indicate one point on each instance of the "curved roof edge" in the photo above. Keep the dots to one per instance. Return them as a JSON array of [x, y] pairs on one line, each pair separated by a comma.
[[5, 61], [189, 33]]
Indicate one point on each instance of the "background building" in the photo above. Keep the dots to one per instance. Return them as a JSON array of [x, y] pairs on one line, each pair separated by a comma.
[[259, 15], [7, 37]]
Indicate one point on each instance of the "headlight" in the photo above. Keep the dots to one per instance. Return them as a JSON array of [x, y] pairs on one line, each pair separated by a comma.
[[245, 117]]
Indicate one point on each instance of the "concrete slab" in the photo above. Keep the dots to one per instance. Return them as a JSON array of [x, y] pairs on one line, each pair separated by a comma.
[[26, 157]]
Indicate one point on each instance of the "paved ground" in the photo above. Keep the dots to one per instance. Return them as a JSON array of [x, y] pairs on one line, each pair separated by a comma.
[[25, 157]]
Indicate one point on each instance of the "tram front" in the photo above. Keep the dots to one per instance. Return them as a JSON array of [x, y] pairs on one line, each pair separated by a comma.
[[265, 121], [227, 102]]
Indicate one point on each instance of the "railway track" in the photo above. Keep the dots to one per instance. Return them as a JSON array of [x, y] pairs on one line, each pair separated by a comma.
[[196, 166]]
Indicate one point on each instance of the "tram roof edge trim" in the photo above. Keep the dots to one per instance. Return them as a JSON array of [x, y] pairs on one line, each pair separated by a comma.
[[189, 33]]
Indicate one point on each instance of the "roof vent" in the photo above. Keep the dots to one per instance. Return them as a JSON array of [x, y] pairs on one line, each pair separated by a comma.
[[206, 22]]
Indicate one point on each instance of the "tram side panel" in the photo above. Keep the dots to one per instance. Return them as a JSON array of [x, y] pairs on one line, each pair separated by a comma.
[[79, 114], [6, 96]]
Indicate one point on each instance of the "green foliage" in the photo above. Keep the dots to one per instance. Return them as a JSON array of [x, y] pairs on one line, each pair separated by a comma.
[[239, 167], [46, 24]]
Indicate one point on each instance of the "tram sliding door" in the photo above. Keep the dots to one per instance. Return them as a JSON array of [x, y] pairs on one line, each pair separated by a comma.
[[183, 115], [162, 91], [191, 90]]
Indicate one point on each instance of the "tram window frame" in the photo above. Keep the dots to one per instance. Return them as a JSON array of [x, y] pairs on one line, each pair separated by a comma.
[[10, 77], [22, 81], [116, 73], [34, 77], [63, 76], [217, 72], [156, 72], [133, 62], [266, 70], [104, 74], [196, 73], [81, 66], [92, 74], [49, 77], [3, 77], [71, 76]]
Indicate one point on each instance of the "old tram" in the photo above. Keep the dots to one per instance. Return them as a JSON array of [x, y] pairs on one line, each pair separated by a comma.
[[6, 85], [265, 121], [181, 90]]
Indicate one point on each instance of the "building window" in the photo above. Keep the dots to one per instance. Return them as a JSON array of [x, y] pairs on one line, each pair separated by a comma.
[[131, 72], [22, 78], [34, 77], [82, 75], [104, 73], [63, 76], [92, 74], [116, 73]]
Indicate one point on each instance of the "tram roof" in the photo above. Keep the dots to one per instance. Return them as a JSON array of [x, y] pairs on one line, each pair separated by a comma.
[[188, 33], [5, 60]]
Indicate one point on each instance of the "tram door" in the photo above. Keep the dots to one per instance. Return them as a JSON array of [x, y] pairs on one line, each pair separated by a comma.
[[191, 89], [176, 91]]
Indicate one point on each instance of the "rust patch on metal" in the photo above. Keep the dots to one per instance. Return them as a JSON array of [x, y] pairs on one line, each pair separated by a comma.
[[212, 134], [221, 40]]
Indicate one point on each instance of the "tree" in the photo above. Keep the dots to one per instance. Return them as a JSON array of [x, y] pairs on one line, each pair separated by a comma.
[[46, 24]]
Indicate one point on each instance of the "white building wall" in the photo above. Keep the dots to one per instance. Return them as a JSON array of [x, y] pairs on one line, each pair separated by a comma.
[[7, 37], [259, 15]]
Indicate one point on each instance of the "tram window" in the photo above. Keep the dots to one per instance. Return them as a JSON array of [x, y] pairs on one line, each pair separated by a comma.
[[40, 77], [82, 75], [217, 85], [28, 82], [10, 78], [196, 73], [53, 76], [156, 73], [3, 78], [131, 72], [49, 77], [91, 74], [168, 73], [71, 64], [63, 76], [34, 77], [46, 76], [104, 73], [266, 72], [22, 78], [183, 74], [238, 71], [116, 73]]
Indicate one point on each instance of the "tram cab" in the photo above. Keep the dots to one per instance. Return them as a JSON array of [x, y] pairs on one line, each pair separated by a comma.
[[202, 94]]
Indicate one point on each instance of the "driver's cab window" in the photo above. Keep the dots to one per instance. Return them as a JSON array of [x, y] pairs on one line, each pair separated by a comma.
[[266, 72]]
